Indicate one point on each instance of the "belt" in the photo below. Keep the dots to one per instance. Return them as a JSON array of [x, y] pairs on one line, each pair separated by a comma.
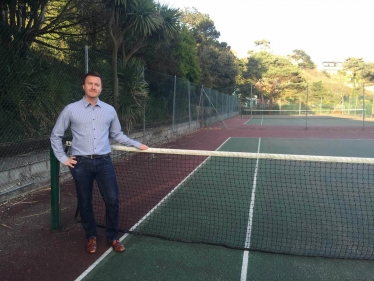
[[94, 156]]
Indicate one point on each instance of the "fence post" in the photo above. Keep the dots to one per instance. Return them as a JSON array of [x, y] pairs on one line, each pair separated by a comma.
[[252, 101], [175, 86], [363, 106], [306, 107], [222, 111], [202, 106], [86, 58], [55, 190], [144, 112], [189, 105]]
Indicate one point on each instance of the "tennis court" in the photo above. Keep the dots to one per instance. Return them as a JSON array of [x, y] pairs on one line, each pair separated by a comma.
[[291, 214]]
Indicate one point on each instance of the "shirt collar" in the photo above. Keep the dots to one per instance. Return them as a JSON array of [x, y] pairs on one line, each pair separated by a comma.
[[86, 103]]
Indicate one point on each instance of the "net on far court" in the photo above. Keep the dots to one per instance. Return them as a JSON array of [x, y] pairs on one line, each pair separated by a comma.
[[291, 204], [301, 113]]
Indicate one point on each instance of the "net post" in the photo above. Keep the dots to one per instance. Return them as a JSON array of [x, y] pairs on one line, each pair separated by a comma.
[[55, 190]]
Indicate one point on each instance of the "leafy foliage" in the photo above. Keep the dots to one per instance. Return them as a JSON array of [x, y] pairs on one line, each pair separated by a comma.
[[186, 54], [133, 93], [302, 59], [33, 93], [132, 27], [217, 63], [274, 76]]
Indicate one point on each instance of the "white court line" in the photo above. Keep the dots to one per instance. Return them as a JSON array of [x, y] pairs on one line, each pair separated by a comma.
[[103, 256], [243, 276], [249, 121], [175, 188]]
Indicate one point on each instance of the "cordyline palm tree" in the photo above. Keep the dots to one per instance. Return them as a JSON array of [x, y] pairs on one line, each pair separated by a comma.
[[133, 25], [133, 93]]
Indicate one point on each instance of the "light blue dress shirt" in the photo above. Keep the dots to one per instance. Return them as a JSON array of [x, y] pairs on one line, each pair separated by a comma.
[[91, 126]]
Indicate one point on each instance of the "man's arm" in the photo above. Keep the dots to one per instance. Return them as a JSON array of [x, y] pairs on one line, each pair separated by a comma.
[[57, 134], [117, 134]]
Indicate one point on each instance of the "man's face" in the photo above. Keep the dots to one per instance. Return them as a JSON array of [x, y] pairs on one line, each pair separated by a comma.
[[92, 86]]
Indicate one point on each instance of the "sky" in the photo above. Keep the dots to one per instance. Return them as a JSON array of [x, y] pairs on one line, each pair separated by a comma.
[[326, 30]]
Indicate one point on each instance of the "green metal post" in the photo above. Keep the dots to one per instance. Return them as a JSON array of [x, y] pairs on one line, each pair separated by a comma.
[[55, 190], [363, 106]]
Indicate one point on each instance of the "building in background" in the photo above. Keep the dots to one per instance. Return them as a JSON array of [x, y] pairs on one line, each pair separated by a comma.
[[331, 67]]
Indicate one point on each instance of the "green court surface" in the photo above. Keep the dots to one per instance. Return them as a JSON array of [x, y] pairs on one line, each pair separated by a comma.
[[280, 222], [155, 259]]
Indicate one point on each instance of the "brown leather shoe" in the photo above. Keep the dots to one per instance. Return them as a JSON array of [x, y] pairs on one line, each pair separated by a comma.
[[117, 245], [91, 245]]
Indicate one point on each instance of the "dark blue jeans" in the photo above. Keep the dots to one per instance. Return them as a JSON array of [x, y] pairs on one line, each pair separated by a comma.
[[84, 173]]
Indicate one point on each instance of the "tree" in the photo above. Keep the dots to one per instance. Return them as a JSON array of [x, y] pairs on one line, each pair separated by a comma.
[[274, 76], [201, 25], [368, 72], [263, 44], [25, 22], [217, 62], [317, 92], [132, 25], [186, 54], [302, 59], [133, 93], [355, 67]]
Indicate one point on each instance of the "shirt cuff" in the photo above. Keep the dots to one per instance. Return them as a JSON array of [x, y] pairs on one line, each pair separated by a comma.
[[63, 159]]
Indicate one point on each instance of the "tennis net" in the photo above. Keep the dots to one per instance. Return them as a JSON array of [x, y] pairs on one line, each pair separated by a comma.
[[290, 204], [289, 113]]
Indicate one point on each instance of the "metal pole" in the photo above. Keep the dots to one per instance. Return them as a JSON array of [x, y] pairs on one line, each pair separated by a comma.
[[216, 96], [222, 105], [144, 124], [202, 106], [189, 104], [363, 106], [306, 109], [175, 88], [251, 103], [86, 58], [229, 107], [55, 190], [143, 113]]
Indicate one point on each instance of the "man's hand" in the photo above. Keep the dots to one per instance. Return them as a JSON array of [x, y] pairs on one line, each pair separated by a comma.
[[70, 162], [143, 147]]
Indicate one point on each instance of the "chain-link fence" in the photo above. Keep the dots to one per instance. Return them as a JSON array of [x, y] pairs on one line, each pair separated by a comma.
[[37, 82], [358, 103]]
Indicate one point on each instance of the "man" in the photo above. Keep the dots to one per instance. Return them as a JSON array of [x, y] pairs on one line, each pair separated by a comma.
[[92, 123]]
